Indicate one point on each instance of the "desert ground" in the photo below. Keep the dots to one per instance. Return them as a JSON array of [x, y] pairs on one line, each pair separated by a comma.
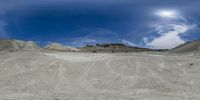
[[33, 75]]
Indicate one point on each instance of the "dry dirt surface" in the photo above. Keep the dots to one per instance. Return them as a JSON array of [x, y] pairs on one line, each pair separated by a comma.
[[31, 75]]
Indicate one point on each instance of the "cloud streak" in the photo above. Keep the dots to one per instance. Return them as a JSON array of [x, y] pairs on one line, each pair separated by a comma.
[[128, 42], [3, 34]]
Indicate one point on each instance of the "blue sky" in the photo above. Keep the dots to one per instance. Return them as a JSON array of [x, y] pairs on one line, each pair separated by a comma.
[[157, 24]]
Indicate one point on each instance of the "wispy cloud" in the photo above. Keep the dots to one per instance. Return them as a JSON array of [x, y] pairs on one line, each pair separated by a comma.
[[3, 34], [128, 42], [94, 36], [83, 41]]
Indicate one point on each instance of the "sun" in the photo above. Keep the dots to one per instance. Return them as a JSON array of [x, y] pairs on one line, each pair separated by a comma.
[[167, 13]]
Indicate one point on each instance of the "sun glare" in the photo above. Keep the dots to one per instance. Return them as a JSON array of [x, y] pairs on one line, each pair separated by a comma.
[[167, 13]]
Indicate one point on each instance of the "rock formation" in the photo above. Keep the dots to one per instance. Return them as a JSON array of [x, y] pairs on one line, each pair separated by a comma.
[[60, 47], [30, 45], [8, 45], [17, 45]]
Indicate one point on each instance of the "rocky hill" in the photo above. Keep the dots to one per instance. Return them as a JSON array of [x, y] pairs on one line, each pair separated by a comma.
[[60, 47], [193, 46], [17, 45]]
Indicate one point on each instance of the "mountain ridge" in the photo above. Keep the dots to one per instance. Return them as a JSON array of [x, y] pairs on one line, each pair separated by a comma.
[[18, 45]]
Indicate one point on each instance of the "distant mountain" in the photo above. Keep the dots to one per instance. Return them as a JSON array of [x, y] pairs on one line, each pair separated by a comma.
[[60, 47], [17, 45], [112, 47], [193, 46]]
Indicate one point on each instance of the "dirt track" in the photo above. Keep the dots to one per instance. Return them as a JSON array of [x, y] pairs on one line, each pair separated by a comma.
[[103, 76]]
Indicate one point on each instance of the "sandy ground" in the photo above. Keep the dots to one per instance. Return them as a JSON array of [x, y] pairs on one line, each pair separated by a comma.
[[101, 76]]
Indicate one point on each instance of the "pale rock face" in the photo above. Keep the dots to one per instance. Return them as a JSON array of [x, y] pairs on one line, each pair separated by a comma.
[[59, 47], [8, 45], [16, 45], [30, 45], [20, 43]]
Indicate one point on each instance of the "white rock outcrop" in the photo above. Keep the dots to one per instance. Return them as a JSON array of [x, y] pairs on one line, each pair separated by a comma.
[[17, 45], [60, 47]]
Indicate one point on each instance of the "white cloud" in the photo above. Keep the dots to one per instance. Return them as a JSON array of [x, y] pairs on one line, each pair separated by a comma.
[[145, 40], [170, 38], [128, 42], [169, 30]]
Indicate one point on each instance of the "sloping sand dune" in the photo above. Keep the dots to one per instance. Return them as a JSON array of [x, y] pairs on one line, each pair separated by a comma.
[[193, 46], [30, 75]]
